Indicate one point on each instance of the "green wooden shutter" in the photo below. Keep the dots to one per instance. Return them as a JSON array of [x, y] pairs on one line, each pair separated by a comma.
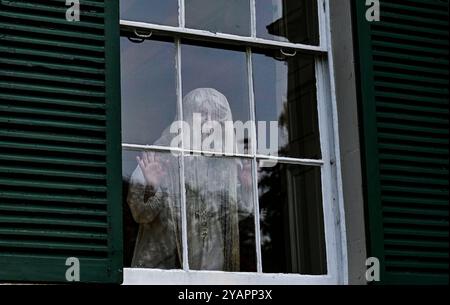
[[60, 167], [403, 61]]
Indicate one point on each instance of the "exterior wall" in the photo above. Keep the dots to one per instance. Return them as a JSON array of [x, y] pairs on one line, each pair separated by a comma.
[[346, 96]]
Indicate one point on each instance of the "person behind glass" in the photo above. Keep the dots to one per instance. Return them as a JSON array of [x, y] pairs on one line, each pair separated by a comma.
[[217, 196]]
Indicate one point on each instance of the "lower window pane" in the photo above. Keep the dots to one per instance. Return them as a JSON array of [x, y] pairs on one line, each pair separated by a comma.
[[152, 222], [219, 203], [292, 231]]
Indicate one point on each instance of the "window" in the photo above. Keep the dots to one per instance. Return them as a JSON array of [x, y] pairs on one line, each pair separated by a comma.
[[270, 204]]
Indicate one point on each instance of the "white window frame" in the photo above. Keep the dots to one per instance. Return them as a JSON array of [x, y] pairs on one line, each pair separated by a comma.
[[332, 194]]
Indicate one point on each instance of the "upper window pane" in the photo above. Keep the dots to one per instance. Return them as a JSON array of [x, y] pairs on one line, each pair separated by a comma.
[[285, 92], [163, 12], [219, 16], [294, 21], [149, 99], [215, 86]]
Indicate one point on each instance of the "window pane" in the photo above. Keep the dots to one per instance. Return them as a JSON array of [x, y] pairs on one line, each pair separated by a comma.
[[219, 200], [292, 233], [149, 100], [163, 12], [285, 92], [224, 16], [295, 21], [215, 83], [152, 222]]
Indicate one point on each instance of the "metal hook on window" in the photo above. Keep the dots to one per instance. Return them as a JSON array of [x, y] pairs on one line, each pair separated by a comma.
[[140, 37], [288, 54]]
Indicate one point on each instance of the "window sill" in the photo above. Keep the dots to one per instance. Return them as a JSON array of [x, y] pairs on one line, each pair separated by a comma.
[[136, 276]]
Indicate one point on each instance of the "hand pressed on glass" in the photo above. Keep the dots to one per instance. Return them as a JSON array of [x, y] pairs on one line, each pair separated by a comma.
[[153, 168], [245, 174]]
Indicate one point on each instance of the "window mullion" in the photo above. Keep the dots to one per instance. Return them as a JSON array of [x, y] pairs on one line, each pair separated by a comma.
[[322, 24], [252, 146], [253, 18], [183, 212], [181, 14]]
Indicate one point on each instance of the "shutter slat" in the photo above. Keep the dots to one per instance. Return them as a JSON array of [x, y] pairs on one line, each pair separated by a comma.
[[50, 137], [404, 200], [407, 47], [51, 20], [50, 209], [49, 77], [47, 221], [414, 39], [52, 32], [393, 136], [415, 191], [52, 173], [416, 211], [53, 101], [50, 89], [52, 112], [420, 254], [418, 244], [410, 58], [53, 42], [48, 8], [26, 182], [49, 197], [52, 160], [50, 54], [409, 231], [414, 68], [54, 66], [52, 246], [398, 105], [51, 233]]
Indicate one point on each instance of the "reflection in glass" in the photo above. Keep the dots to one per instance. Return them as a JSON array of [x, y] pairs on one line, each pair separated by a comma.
[[295, 21], [163, 12], [219, 16], [152, 222], [224, 71], [285, 91], [220, 214], [149, 100], [292, 232]]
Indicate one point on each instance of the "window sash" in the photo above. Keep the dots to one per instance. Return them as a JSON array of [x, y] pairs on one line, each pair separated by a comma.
[[332, 197], [252, 41]]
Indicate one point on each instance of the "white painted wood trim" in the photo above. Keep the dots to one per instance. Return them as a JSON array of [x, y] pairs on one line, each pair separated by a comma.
[[210, 36], [135, 276]]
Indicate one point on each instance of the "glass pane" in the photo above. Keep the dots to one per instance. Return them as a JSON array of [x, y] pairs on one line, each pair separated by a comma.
[[163, 12], [295, 21], [215, 86], [219, 201], [285, 92], [292, 232], [224, 16], [152, 222], [149, 100]]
